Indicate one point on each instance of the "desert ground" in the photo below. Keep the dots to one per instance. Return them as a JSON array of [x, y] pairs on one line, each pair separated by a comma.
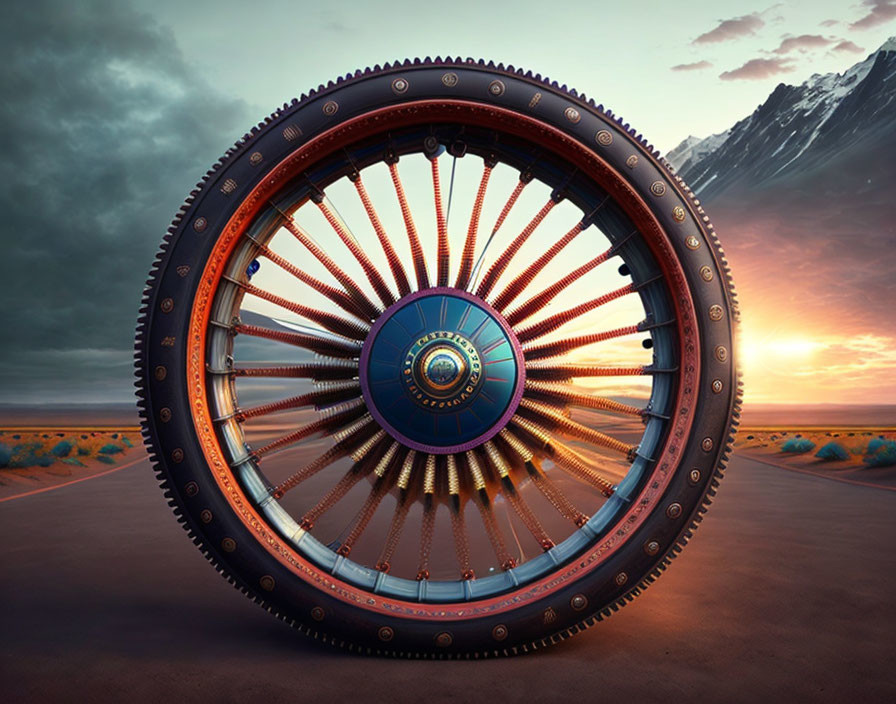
[[785, 593]]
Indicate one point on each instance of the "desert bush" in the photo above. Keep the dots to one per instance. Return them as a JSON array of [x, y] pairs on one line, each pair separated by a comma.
[[797, 446], [62, 449], [884, 456], [5, 455], [832, 451], [110, 449], [875, 444], [105, 459]]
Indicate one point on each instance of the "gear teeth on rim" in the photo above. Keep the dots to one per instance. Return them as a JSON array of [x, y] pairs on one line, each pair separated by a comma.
[[141, 339]]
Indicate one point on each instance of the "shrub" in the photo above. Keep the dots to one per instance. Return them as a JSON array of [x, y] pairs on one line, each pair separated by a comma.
[[106, 459], [5, 455], [833, 451], [83, 451], [798, 446], [875, 445], [110, 449], [885, 456], [62, 449]]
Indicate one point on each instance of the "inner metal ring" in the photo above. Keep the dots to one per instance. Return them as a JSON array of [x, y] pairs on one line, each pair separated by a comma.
[[442, 371]]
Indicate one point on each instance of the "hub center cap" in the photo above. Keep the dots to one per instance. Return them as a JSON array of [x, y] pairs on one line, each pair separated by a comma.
[[441, 371]]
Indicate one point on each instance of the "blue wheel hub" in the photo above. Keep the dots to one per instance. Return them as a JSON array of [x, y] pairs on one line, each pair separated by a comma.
[[441, 371]]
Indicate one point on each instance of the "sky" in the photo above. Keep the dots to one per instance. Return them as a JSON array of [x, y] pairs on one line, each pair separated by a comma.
[[112, 111]]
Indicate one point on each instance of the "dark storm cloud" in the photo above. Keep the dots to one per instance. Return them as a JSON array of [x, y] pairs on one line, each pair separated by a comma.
[[879, 12], [732, 29], [696, 66], [104, 129], [802, 42], [756, 69]]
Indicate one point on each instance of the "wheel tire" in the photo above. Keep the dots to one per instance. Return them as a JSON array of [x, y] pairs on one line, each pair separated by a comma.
[[310, 599]]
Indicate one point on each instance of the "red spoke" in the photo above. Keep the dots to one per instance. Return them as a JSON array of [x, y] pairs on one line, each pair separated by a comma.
[[413, 239], [466, 260], [565, 457], [329, 394], [548, 325], [365, 515], [492, 530], [567, 394], [346, 440], [333, 323], [554, 349], [565, 372], [331, 346], [338, 296], [426, 532], [337, 417], [383, 564], [516, 501], [548, 489], [443, 255], [317, 370], [357, 295], [540, 300], [373, 276], [458, 530], [494, 273], [522, 280], [559, 421], [398, 272]]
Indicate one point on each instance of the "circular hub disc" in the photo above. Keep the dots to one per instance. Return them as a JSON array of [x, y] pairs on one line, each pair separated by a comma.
[[442, 371]]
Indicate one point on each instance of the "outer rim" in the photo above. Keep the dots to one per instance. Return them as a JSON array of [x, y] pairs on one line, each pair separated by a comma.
[[349, 593], [163, 464], [517, 353]]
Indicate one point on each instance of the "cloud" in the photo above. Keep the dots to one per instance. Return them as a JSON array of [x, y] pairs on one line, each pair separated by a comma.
[[104, 130], [697, 66], [804, 41], [732, 29], [756, 69], [847, 45], [829, 23], [881, 11]]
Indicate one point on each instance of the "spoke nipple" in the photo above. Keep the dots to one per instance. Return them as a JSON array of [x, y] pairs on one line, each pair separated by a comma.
[[581, 520], [508, 564], [305, 524], [431, 146], [547, 544], [344, 550], [383, 566], [467, 575], [422, 574]]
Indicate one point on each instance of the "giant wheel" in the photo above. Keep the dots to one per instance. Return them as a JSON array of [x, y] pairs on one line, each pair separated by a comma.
[[438, 361]]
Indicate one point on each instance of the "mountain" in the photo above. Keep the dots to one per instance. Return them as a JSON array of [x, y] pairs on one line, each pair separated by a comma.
[[802, 193], [829, 123]]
